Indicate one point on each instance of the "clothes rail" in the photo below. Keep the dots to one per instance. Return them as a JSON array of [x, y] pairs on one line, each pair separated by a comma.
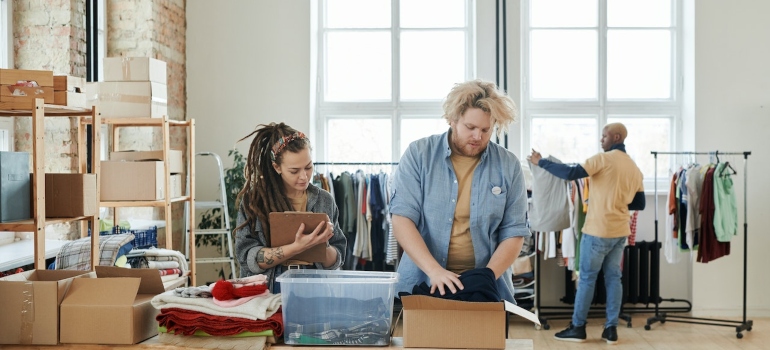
[[740, 326], [355, 163]]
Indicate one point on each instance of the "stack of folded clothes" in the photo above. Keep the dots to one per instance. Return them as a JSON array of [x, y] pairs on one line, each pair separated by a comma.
[[238, 313]]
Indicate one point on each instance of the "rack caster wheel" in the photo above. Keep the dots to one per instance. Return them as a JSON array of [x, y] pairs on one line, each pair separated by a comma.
[[628, 325], [546, 326], [739, 335], [647, 327], [748, 329]]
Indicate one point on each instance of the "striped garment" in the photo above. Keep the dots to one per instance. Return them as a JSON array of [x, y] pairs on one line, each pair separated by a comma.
[[76, 255]]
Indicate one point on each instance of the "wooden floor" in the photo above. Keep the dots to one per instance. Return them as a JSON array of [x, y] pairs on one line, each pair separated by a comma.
[[668, 336]]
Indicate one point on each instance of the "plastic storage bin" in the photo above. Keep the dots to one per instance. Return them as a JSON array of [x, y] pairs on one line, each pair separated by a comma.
[[333, 307]]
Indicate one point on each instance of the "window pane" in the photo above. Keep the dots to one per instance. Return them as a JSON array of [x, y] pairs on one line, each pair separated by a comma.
[[413, 129], [571, 140], [638, 64], [357, 14], [638, 13], [563, 64], [646, 135], [431, 63], [563, 13], [358, 66], [359, 140], [432, 13]]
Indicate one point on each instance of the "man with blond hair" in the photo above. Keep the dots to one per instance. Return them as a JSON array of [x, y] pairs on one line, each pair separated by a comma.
[[616, 187]]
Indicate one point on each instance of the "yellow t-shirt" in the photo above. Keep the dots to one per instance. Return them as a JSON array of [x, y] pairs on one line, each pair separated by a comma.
[[461, 257], [615, 179]]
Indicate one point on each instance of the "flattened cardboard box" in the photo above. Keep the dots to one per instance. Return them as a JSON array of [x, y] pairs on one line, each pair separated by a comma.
[[129, 181], [175, 164], [113, 308], [30, 305], [431, 322], [134, 69], [70, 195]]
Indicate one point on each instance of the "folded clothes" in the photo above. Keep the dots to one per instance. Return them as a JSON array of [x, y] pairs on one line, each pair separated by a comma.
[[187, 322], [259, 308], [247, 334], [226, 290], [193, 292]]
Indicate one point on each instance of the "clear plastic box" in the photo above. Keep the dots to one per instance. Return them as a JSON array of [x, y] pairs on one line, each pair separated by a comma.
[[337, 307]]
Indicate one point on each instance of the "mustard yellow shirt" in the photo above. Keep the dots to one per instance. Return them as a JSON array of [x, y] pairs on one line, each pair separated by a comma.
[[461, 257]]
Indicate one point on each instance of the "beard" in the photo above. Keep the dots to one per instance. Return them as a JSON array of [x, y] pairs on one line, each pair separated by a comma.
[[464, 148]]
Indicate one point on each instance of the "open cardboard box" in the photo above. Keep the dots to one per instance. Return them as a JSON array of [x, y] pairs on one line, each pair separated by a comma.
[[30, 305], [113, 308], [431, 322]]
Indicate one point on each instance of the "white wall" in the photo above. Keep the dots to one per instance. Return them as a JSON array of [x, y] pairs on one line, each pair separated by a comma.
[[732, 111], [247, 64]]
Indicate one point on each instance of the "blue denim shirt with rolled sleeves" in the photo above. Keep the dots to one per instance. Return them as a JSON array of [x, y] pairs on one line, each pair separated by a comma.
[[425, 191]]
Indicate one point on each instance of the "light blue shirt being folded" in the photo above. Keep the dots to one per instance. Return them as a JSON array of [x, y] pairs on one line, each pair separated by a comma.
[[425, 191]]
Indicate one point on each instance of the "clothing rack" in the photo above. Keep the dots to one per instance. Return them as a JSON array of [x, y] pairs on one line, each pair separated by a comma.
[[662, 317], [355, 163]]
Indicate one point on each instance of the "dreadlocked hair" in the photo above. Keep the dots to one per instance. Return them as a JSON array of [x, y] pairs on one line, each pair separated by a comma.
[[263, 191]]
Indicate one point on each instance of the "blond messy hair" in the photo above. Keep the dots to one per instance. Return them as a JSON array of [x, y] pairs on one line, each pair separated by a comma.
[[485, 96]]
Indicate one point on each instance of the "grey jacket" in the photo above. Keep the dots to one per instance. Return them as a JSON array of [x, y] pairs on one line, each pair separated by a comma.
[[250, 239]]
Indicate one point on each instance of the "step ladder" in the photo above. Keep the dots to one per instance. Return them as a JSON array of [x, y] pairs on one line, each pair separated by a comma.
[[224, 223]]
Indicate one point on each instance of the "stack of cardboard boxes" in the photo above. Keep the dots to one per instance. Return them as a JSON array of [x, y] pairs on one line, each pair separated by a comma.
[[138, 175], [20, 87], [133, 87]]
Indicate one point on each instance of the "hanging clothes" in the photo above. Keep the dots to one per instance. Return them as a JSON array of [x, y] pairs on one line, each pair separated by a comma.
[[725, 208], [711, 248], [550, 207]]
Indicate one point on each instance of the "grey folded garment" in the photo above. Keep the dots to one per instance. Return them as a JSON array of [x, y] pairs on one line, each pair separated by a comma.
[[193, 292]]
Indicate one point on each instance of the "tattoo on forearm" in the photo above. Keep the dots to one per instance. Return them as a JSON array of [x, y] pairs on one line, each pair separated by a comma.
[[269, 256], [278, 252], [261, 257]]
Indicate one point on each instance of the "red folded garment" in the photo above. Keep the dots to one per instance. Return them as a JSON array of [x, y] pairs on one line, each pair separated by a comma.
[[186, 322], [167, 272], [225, 290]]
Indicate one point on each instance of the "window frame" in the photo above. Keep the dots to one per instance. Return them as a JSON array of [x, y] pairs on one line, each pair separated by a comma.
[[670, 108], [396, 109], [6, 34]]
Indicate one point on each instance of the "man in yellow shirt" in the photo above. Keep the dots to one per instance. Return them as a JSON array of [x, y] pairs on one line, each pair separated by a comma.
[[616, 187]]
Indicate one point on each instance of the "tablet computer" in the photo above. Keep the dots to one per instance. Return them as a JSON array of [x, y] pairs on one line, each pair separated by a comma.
[[284, 226]]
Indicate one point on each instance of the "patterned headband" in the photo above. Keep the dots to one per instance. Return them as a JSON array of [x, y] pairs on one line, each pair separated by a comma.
[[282, 142]]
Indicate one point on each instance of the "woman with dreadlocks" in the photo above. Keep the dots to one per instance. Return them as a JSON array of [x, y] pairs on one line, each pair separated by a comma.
[[278, 174]]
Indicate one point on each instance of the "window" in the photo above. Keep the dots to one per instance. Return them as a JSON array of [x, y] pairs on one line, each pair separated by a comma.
[[384, 68], [592, 62], [6, 34]]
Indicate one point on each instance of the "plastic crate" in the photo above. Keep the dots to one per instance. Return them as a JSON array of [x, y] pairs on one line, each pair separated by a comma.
[[142, 238], [334, 307]]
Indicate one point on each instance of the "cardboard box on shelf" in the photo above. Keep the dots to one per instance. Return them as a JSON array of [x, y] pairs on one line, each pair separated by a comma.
[[128, 181], [113, 308], [15, 187], [70, 195], [68, 83], [15, 76], [134, 99], [70, 99], [134, 69], [175, 164], [176, 185], [11, 93], [30, 302], [431, 322]]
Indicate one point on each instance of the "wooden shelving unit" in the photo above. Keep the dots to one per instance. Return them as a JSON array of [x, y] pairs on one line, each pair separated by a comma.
[[165, 124], [38, 111]]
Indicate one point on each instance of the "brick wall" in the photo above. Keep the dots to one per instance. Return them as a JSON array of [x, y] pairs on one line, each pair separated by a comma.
[[50, 35]]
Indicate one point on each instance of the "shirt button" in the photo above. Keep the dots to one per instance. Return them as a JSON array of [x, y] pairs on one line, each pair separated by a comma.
[[455, 181], [453, 200]]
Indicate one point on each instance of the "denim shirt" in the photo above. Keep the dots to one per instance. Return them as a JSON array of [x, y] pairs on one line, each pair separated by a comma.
[[425, 191]]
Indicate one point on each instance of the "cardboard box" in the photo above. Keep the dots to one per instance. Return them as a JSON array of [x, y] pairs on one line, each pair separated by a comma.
[[431, 322], [70, 195], [134, 69], [175, 163], [30, 302], [113, 308], [175, 181], [14, 76], [69, 83], [128, 99], [10, 93], [15, 187], [132, 181], [70, 99]]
